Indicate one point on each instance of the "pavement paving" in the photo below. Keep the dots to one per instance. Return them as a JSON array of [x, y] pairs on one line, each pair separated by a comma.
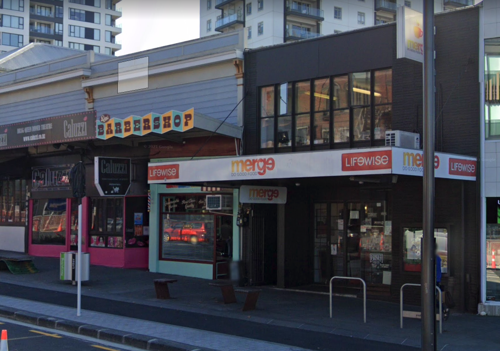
[[125, 299]]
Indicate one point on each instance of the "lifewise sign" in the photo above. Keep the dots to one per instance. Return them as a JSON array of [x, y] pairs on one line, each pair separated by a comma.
[[367, 161], [250, 194], [112, 175], [60, 129]]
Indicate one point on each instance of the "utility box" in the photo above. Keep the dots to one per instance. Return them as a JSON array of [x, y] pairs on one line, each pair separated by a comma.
[[68, 266]]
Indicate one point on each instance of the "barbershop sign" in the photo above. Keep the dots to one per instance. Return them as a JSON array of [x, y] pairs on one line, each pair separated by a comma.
[[112, 175], [50, 178], [54, 130]]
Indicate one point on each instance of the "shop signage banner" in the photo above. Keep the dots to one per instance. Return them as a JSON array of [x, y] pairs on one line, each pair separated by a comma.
[[112, 175], [410, 35], [50, 178], [108, 127], [253, 194], [54, 130], [331, 163]]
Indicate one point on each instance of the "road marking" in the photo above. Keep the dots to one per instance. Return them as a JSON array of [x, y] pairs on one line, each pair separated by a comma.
[[103, 348], [26, 337], [46, 334]]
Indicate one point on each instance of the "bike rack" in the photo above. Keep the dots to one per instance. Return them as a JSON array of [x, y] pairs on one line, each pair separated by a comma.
[[364, 293], [440, 306]]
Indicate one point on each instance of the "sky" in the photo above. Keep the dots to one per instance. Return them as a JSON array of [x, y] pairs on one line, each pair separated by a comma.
[[148, 24]]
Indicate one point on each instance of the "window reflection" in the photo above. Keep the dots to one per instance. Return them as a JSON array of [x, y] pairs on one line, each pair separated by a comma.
[[284, 131], [341, 126], [267, 133], [267, 101], [302, 125], [322, 128], [361, 89], [383, 121], [49, 222], [361, 123], [321, 94], [302, 97], [341, 92]]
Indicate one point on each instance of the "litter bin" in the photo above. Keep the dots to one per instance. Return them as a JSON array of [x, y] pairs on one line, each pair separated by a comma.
[[68, 265]]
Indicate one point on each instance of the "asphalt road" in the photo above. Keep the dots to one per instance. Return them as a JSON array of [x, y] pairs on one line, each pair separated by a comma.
[[282, 335], [27, 338]]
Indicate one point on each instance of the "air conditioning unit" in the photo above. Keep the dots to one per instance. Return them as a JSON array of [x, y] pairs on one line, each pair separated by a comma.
[[219, 202], [402, 139]]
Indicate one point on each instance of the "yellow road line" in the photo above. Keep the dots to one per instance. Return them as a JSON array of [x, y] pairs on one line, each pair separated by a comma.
[[26, 337], [103, 348], [2, 323], [46, 334]]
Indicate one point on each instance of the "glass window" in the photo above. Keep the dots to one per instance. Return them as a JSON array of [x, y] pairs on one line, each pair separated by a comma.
[[302, 97], [285, 99], [136, 222], [284, 131], [412, 259], [383, 86], [12, 21], [209, 25], [407, 3], [59, 28], [108, 51], [341, 126], [106, 223], [267, 101], [97, 18], [9, 39], [383, 121], [321, 128], [97, 34], [340, 92], [492, 94], [49, 222], [97, 3], [76, 46], [109, 39], [361, 89], [266, 111], [108, 20], [302, 129], [249, 9], [97, 49], [321, 99], [337, 12], [260, 28], [250, 32], [361, 123], [492, 248], [361, 18], [209, 4], [260, 4], [59, 12], [267, 132], [15, 5]]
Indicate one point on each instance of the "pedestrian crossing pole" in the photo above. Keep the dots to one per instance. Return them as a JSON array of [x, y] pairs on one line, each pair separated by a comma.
[[428, 265]]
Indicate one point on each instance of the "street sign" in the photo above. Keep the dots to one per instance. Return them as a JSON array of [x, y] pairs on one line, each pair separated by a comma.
[[112, 175]]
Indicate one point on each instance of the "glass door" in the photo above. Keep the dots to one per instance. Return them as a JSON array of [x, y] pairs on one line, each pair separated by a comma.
[[352, 240]]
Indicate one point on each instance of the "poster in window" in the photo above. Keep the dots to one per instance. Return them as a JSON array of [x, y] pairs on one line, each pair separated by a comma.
[[138, 218]]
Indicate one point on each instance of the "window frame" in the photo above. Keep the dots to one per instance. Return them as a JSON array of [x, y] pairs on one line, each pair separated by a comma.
[[361, 18], [260, 5], [337, 10], [249, 9], [260, 28]]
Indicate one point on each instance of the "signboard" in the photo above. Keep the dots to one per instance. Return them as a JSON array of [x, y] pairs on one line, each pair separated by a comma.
[[331, 163], [250, 194], [410, 34], [50, 178], [112, 175], [54, 130], [108, 127]]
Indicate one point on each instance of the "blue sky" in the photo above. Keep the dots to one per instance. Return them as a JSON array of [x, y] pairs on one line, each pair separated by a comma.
[[152, 23]]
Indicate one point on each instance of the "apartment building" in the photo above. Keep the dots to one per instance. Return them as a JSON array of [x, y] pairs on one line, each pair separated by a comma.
[[76, 24], [270, 22]]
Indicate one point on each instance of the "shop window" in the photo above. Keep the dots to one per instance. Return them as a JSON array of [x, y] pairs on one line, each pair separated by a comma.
[[284, 133], [492, 248], [412, 249], [302, 113], [106, 223], [136, 222], [74, 226], [13, 201], [321, 104], [49, 222]]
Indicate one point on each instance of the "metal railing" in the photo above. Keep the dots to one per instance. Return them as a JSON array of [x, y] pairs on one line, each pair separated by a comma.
[[43, 30], [300, 33], [305, 10], [40, 12], [364, 293], [385, 5], [228, 19], [440, 294]]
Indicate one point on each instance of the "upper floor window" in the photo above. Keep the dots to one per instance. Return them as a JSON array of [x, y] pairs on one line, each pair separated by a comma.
[[249, 9], [407, 3], [209, 4], [108, 51], [9, 39], [81, 2], [76, 46], [209, 25], [337, 12], [361, 18], [15, 5], [249, 32], [59, 12], [58, 29], [492, 94], [350, 108], [260, 28], [12, 21], [77, 15], [260, 5], [109, 37], [76, 31]]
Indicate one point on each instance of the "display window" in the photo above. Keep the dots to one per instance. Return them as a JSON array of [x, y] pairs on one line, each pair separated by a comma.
[[106, 223], [191, 233], [13, 201], [136, 222], [412, 259], [49, 222], [493, 249], [74, 226]]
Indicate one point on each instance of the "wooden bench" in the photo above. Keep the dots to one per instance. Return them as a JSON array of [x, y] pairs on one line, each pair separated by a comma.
[[161, 288], [251, 298], [227, 289]]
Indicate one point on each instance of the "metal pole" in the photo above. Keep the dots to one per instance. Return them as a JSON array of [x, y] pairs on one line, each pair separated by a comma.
[[79, 261], [428, 269]]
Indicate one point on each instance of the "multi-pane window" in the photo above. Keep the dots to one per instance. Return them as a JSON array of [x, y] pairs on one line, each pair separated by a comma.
[[249, 9], [109, 38], [106, 223], [337, 12], [97, 18], [209, 4], [97, 49], [250, 32], [108, 20], [59, 28], [108, 51], [349, 108], [76, 31], [260, 28], [361, 18], [12, 21], [15, 5], [260, 5], [77, 46], [58, 43], [9, 39], [13, 201], [77, 15], [49, 222], [209, 25], [59, 12]]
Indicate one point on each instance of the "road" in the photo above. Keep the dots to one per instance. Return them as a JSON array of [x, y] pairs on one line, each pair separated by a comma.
[[241, 328], [22, 337]]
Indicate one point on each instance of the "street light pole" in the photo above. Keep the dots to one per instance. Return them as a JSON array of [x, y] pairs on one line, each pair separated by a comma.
[[428, 265]]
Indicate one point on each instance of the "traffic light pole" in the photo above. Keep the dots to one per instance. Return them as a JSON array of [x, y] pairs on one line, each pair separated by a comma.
[[428, 264]]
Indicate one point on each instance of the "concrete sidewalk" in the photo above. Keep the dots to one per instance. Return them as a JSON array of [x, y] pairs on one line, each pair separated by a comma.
[[294, 310]]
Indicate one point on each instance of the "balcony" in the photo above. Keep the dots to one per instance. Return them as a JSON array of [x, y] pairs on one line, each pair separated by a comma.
[[41, 30], [305, 11], [458, 3], [300, 33], [229, 21], [386, 5], [41, 13], [219, 4]]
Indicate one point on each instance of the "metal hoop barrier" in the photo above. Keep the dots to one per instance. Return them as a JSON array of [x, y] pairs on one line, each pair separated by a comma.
[[364, 293], [440, 294]]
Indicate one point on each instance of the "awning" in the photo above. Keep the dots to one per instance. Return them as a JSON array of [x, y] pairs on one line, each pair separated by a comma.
[[331, 163]]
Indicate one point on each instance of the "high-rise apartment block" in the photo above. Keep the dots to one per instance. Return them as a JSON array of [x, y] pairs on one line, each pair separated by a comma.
[[269, 22], [77, 24]]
